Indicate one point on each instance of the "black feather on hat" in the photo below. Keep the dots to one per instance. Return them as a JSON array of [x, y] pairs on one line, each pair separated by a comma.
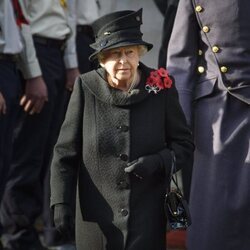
[[118, 29]]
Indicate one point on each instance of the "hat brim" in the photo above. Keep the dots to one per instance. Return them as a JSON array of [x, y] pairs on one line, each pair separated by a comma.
[[93, 56]]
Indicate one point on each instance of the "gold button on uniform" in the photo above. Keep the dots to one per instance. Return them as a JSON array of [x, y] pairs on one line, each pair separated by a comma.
[[198, 8], [201, 69], [223, 69], [205, 29], [215, 49], [200, 52]]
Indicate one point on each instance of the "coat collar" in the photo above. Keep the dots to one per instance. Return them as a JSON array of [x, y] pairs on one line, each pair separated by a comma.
[[96, 83]]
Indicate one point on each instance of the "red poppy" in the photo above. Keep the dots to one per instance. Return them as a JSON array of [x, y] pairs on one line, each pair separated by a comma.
[[158, 80], [162, 72], [155, 76], [167, 82]]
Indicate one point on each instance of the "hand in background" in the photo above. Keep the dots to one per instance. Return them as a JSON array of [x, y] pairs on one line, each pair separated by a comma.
[[71, 75], [3, 107], [63, 220], [35, 95]]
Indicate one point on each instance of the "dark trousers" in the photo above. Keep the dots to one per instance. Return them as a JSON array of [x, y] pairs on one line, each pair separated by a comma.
[[170, 8], [34, 139], [10, 88], [84, 38]]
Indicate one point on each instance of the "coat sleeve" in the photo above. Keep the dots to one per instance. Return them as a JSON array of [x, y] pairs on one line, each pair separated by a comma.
[[70, 57], [67, 152], [28, 63], [182, 54], [178, 135]]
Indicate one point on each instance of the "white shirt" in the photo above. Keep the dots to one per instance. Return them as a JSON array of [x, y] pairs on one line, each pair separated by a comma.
[[10, 38], [87, 11], [47, 18]]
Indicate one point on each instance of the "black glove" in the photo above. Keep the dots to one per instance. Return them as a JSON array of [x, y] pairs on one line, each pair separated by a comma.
[[145, 166], [63, 220]]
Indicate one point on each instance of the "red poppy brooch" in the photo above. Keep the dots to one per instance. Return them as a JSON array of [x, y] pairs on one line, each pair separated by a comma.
[[158, 80]]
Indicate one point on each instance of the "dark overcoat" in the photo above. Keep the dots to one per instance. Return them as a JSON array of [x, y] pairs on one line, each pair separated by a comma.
[[104, 129], [209, 56]]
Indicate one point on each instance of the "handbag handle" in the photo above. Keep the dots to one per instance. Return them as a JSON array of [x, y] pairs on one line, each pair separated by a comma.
[[176, 207], [173, 175]]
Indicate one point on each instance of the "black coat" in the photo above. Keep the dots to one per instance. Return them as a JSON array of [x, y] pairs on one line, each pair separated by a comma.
[[104, 129]]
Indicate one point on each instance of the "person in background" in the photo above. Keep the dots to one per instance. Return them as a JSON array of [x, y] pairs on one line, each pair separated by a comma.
[[10, 85], [168, 9], [209, 56], [51, 72], [122, 127], [82, 14]]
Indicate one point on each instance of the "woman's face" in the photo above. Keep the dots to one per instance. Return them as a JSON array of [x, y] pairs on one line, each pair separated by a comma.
[[121, 63]]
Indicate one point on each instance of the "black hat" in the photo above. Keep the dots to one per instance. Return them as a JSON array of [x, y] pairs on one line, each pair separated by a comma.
[[118, 29]]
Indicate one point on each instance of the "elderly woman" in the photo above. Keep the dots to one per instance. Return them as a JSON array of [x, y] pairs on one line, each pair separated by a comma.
[[122, 123]]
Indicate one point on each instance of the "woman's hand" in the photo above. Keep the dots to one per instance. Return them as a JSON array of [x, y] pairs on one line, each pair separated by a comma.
[[64, 221], [145, 166]]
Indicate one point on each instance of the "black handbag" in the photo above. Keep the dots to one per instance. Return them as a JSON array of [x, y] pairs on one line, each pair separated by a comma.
[[176, 207]]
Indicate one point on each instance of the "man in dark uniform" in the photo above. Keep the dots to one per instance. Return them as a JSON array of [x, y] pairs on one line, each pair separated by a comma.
[[209, 56]]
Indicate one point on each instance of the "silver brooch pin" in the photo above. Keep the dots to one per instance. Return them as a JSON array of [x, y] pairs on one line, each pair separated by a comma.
[[154, 89]]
